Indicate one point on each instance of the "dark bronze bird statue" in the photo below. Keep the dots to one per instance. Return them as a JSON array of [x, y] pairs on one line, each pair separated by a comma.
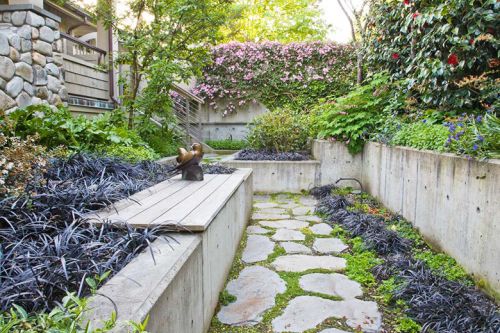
[[187, 158], [188, 162]]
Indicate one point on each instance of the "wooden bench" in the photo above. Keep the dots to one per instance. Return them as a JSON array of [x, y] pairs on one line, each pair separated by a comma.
[[178, 204]]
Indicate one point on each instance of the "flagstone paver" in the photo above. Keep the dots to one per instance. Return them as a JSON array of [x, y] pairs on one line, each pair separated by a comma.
[[332, 284], [255, 289], [256, 286], [301, 263], [273, 211], [295, 248], [321, 229], [285, 224], [288, 235], [269, 216], [262, 205], [307, 312], [329, 245], [308, 218], [255, 229], [258, 248], [303, 210]]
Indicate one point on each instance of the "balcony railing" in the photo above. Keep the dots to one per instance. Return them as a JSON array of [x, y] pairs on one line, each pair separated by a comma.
[[74, 47]]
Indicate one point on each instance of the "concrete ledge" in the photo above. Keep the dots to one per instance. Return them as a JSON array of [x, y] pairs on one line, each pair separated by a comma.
[[280, 176], [179, 288], [454, 202]]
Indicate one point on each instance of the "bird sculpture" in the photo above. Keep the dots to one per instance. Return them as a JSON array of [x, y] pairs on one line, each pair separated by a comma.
[[188, 162]]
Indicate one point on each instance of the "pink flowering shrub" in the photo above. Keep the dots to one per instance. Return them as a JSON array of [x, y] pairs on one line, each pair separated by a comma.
[[294, 75]]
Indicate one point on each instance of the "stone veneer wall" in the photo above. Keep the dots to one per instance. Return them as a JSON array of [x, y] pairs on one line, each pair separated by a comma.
[[30, 58]]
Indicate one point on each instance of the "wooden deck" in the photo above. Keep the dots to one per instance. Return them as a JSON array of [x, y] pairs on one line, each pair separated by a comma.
[[180, 204]]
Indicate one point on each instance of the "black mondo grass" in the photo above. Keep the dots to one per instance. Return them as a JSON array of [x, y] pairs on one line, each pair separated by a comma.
[[438, 304], [48, 249], [270, 155]]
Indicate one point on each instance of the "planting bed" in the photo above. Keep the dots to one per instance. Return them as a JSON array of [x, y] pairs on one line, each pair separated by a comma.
[[270, 155]]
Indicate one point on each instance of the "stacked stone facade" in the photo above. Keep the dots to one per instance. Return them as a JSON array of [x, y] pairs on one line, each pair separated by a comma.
[[30, 59]]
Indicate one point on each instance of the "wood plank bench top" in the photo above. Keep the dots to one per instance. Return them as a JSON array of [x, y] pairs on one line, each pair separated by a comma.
[[179, 204]]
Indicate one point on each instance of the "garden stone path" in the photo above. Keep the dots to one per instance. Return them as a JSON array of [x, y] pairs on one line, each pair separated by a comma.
[[285, 238], [258, 248]]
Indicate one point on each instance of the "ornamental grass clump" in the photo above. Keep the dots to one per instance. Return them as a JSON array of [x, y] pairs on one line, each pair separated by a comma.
[[48, 248]]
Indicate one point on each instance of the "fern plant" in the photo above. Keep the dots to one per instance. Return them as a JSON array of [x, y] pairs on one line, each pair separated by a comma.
[[351, 118]]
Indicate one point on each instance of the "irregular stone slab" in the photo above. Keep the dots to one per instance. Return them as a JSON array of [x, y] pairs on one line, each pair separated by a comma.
[[258, 248], [309, 218], [264, 216], [307, 312], [295, 248], [329, 245], [301, 263], [321, 229], [288, 205], [262, 205], [308, 201], [255, 229], [285, 224], [273, 211], [331, 284], [303, 210], [255, 289], [333, 330], [288, 235], [262, 198]]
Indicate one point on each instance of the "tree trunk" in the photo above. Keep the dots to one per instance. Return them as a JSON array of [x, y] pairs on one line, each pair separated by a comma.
[[359, 64]]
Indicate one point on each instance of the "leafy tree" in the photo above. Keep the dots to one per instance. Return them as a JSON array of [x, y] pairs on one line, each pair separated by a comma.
[[162, 42], [275, 20]]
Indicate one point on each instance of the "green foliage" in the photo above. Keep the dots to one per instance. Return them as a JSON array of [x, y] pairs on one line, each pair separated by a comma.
[[422, 135], [407, 325], [163, 140], [225, 298], [360, 263], [227, 144], [281, 129], [444, 51], [351, 118], [475, 136], [275, 20], [56, 127], [162, 42], [443, 264], [68, 317]]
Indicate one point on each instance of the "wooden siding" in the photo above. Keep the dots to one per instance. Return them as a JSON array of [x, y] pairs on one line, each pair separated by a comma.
[[85, 79]]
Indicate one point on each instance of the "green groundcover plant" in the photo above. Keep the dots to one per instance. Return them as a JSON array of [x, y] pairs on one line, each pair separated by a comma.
[[227, 144]]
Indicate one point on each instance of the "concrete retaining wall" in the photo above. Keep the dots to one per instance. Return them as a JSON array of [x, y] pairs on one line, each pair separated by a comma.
[[280, 176], [179, 288], [453, 201], [217, 127]]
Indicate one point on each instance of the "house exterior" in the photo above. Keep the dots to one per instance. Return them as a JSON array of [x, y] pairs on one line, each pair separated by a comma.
[[51, 53]]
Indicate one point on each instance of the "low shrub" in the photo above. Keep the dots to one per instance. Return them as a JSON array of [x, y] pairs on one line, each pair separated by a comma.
[[163, 140], [422, 135], [56, 127], [131, 154], [227, 144], [351, 118], [281, 130]]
